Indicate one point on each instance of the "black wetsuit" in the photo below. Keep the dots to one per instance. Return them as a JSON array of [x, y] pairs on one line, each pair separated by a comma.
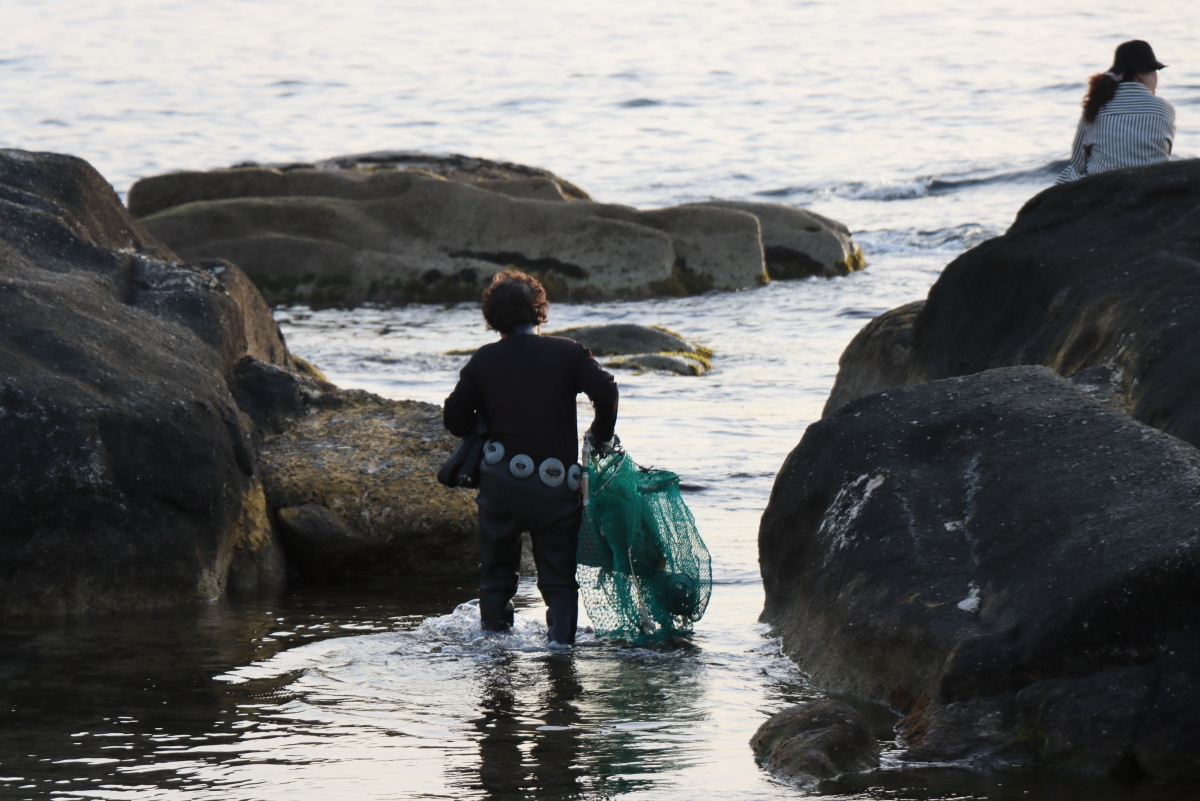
[[525, 387]]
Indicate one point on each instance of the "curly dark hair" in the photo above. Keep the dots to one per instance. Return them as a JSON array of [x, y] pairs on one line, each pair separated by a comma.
[[512, 300]]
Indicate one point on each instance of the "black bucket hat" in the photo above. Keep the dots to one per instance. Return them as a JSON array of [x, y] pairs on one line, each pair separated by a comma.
[[1135, 56]]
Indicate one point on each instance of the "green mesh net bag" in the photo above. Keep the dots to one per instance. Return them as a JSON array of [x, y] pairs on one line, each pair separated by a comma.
[[643, 570]]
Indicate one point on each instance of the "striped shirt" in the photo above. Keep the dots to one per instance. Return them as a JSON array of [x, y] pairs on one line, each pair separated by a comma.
[[1133, 128]]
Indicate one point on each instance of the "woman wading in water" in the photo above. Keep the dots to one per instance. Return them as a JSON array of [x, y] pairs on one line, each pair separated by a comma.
[[1124, 124], [524, 387]]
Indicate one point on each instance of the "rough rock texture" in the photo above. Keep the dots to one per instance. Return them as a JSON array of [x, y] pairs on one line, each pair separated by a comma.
[[353, 480], [410, 236], [987, 536], [879, 357], [813, 741], [642, 348], [1098, 274], [127, 472], [625, 339], [798, 243], [411, 227], [152, 195]]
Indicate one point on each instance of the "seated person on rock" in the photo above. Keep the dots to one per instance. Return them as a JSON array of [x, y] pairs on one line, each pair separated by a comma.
[[524, 386], [1124, 124]]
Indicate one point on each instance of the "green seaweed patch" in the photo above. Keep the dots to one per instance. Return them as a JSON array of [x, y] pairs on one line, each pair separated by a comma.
[[305, 367], [702, 355], [854, 262], [1035, 737], [697, 350]]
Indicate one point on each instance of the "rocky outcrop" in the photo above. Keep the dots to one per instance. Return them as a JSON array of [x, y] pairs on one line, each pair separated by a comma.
[[798, 243], [136, 393], [998, 548], [127, 470], [641, 347], [879, 357], [354, 484], [1097, 279], [356, 229], [817, 740], [374, 171]]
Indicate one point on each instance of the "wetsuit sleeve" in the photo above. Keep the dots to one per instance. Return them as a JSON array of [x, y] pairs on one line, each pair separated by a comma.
[[459, 410], [601, 389], [1077, 167]]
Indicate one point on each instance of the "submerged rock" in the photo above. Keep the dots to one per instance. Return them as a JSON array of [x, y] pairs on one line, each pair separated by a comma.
[[999, 536], [127, 470], [1101, 274], [356, 489], [625, 339], [409, 227], [818, 740], [642, 348]]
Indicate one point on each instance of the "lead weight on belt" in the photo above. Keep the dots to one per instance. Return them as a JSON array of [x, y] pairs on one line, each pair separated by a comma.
[[521, 466], [493, 452], [573, 475], [552, 473]]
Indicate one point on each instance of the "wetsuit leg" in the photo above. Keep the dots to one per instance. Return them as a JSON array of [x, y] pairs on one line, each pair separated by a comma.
[[507, 507], [554, 546], [499, 562]]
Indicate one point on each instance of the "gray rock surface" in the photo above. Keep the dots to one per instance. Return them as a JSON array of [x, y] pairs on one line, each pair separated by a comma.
[[409, 227], [361, 176], [642, 348], [798, 243], [992, 535], [625, 339], [817, 740], [127, 471]]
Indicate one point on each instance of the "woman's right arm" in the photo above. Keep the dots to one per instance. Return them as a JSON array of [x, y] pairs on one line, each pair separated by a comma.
[[1077, 168]]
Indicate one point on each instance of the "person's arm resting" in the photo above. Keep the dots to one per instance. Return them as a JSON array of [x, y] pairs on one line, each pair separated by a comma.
[[460, 408]]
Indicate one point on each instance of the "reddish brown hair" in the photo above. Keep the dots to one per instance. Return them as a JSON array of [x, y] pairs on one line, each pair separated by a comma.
[[1101, 89], [512, 300]]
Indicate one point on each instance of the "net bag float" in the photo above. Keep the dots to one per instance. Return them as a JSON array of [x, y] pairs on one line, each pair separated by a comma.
[[643, 569]]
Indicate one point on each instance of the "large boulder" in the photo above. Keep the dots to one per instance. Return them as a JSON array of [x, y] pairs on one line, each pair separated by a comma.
[[999, 548], [798, 243], [406, 229], [353, 484], [374, 171], [440, 240], [1098, 276], [138, 398], [127, 469]]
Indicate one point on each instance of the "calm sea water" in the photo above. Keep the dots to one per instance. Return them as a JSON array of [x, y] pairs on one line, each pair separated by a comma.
[[922, 126]]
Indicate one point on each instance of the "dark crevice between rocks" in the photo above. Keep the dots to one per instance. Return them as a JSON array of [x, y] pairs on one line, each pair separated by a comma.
[[785, 264]]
